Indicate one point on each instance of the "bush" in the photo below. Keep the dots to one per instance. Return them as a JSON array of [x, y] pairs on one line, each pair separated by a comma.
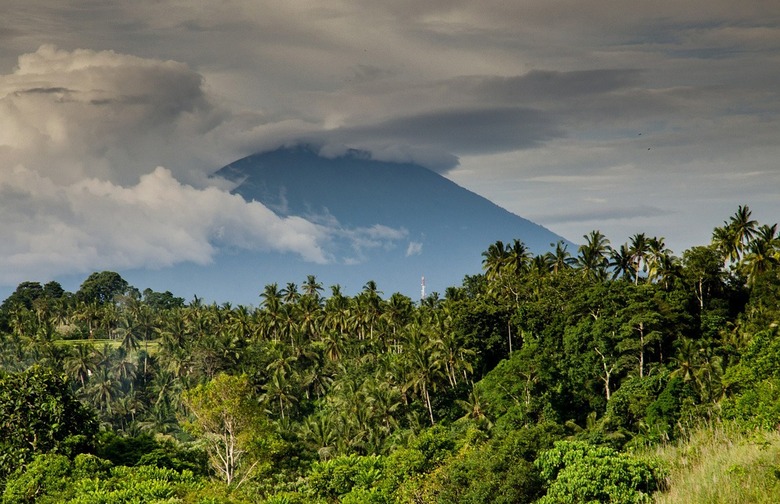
[[580, 472], [46, 474], [339, 476]]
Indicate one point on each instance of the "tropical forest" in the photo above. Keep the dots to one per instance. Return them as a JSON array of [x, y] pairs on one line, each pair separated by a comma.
[[607, 372]]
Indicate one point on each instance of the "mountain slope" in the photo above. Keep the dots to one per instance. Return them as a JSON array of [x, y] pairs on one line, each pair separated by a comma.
[[388, 222], [400, 221]]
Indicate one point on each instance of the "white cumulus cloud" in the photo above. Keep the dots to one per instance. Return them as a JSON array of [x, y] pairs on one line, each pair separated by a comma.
[[93, 224], [80, 133]]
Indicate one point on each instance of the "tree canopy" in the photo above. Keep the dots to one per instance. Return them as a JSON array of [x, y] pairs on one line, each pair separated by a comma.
[[549, 377]]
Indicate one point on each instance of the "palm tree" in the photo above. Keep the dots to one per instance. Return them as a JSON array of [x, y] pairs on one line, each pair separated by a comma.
[[290, 293], [665, 269], [272, 311], [424, 365], [309, 316], [592, 256], [336, 312], [104, 388], [496, 258], [174, 332], [724, 241], [657, 254], [271, 295], [320, 434], [733, 237], [367, 310], [109, 316], [239, 325], [147, 325], [621, 263], [744, 228], [126, 408], [639, 248], [384, 402], [762, 253], [129, 333], [561, 259], [686, 360], [518, 257], [474, 409], [166, 389], [333, 345], [81, 363], [311, 287], [90, 314], [396, 313], [278, 391], [541, 265], [124, 370]]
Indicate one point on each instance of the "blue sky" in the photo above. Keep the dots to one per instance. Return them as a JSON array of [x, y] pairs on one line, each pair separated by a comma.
[[658, 117]]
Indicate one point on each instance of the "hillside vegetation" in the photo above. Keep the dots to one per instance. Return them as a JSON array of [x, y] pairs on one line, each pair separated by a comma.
[[613, 373]]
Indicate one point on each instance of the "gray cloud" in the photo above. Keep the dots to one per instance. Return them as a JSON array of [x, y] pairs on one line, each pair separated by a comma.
[[545, 85], [601, 215], [70, 114], [459, 131], [541, 106], [79, 132]]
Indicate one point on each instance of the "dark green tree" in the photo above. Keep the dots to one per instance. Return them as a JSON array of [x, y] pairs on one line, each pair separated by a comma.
[[102, 287], [39, 414]]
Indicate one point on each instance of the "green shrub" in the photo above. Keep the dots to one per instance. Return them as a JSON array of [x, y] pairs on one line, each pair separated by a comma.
[[46, 474], [580, 472]]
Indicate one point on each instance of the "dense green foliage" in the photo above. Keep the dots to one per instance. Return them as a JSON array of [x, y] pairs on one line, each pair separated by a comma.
[[543, 380]]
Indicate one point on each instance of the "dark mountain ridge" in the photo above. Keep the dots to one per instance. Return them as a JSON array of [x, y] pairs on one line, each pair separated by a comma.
[[445, 227]]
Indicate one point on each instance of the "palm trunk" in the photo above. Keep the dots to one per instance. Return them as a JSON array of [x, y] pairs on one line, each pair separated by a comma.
[[428, 403]]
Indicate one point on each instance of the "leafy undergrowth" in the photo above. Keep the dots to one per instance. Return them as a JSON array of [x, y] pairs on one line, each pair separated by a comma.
[[725, 464]]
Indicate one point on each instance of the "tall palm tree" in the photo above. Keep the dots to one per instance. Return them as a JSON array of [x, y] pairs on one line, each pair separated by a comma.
[[496, 258], [744, 228], [336, 311], [368, 309], [762, 253], [732, 238], [518, 257], [148, 325], [723, 241], [290, 293], [103, 389], [474, 408], [665, 269], [90, 314], [424, 366], [272, 311], [271, 295], [278, 391], [620, 260], [129, 333], [312, 288], [592, 255], [81, 363], [561, 259], [639, 248], [657, 254], [166, 389]]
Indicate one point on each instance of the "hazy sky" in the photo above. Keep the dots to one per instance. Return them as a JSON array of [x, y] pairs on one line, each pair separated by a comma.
[[659, 117]]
